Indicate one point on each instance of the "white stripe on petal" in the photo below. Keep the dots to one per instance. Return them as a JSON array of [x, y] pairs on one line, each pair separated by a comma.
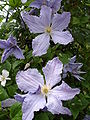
[[64, 91], [40, 44], [52, 71], [61, 37], [29, 80], [61, 21], [31, 104], [54, 105]]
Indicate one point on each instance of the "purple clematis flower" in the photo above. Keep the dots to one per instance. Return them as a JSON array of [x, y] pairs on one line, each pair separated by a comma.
[[32, 81], [54, 4], [49, 27], [10, 47], [73, 68]]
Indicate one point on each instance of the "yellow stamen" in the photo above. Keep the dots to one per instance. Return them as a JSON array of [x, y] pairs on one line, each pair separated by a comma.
[[48, 29], [45, 89]]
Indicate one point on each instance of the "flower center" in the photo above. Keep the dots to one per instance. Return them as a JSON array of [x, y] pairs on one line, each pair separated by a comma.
[[3, 78], [45, 89], [48, 29]]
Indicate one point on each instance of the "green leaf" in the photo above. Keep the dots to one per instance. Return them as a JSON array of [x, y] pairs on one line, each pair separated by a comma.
[[17, 63], [14, 3], [42, 116], [11, 90], [15, 110], [3, 94], [75, 20], [7, 66], [18, 116]]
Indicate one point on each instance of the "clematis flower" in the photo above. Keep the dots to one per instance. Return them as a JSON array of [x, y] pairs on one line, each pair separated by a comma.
[[44, 94], [10, 47], [73, 68], [49, 27], [23, 1], [54, 4], [4, 77]]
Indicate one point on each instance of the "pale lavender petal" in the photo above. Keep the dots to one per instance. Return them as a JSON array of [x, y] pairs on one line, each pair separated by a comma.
[[11, 41], [78, 77], [61, 37], [20, 98], [55, 5], [64, 91], [37, 3], [73, 59], [29, 80], [18, 53], [34, 23], [45, 15], [52, 71], [40, 44], [3, 44], [87, 117], [54, 105], [61, 21], [31, 104], [6, 54], [8, 102]]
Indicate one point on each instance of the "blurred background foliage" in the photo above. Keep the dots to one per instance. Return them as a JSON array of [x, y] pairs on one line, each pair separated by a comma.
[[12, 23]]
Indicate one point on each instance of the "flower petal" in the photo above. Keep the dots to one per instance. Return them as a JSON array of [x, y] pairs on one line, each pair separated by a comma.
[[55, 5], [61, 21], [31, 104], [8, 102], [40, 44], [45, 15], [34, 23], [23, 1], [65, 92], [3, 44], [52, 71], [3, 83], [29, 80], [36, 3], [73, 59], [11, 41], [20, 98], [1, 77], [54, 105], [6, 54], [5, 73], [61, 37], [18, 53]]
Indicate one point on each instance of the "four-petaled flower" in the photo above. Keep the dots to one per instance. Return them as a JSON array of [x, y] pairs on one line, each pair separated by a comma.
[[49, 26], [39, 90], [54, 4], [73, 68], [4, 77], [10, 47]]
